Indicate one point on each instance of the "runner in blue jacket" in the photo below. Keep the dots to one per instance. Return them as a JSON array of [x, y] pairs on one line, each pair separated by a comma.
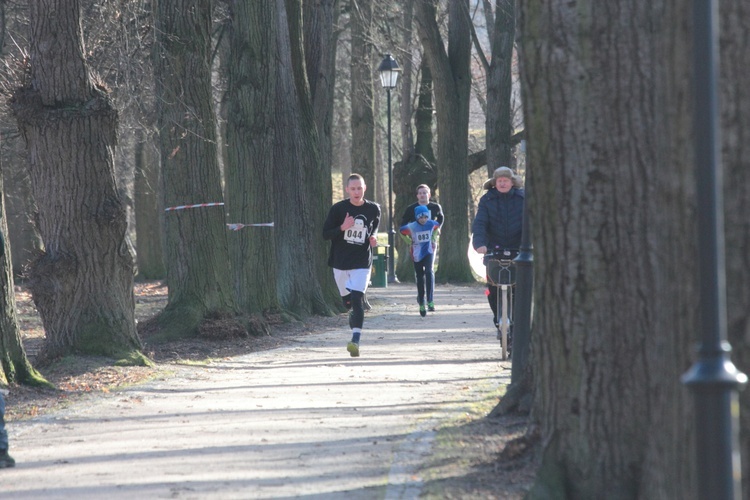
[[422, 234]]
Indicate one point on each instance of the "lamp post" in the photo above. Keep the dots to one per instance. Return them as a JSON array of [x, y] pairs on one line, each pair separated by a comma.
[[713, 378], [524, 295], [389, 72]]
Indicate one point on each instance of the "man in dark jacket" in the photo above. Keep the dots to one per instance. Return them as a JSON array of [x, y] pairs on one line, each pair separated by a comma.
[[499, 221]]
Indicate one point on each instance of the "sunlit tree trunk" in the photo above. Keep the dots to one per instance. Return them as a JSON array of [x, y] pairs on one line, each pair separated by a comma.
[[250, 102], [606, 89], [363, 106], [14, 365], [499, 119], [406, 80], [320, 23], [418, 168], [82, 283], [452, 79], [197, 254], [299, 175]]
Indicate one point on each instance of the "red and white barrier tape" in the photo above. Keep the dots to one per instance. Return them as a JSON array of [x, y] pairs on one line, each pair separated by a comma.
[[237, 227], [182, 207]]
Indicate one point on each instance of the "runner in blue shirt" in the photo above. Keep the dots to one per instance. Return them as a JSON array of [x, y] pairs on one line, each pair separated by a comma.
[[421, 235]]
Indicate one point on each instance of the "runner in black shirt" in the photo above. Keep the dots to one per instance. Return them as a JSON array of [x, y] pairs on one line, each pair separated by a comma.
[[351, 226]]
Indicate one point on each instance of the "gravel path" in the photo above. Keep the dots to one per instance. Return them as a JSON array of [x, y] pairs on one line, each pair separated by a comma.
[[302, 420]]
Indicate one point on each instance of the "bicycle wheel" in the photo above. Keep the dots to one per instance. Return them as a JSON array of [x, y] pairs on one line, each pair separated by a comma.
[[504, 320], [497, 311]]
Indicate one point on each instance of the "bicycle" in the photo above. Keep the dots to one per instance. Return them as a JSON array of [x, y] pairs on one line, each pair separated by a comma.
[[501, 274]]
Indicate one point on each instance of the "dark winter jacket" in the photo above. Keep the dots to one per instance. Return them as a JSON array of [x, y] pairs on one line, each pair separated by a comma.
[[499, 220]]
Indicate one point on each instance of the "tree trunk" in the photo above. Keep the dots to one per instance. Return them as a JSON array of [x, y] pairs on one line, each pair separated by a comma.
[[614, 246], [417, 160], [406, 178], [423, 117], [405, 87], [452, 79], [735, 119], [499, 119], [416, 169], [149, 215], [22, 235], [320, 20], [14, 365], [301, 178], [82, 283], [250, 101], [197, 254], [363, 111]]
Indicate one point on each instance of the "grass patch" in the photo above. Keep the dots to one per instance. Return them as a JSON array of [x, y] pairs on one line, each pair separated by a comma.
[[465, 461]]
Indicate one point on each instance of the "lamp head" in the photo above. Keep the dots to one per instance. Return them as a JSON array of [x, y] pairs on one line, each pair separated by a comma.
[[389, 72]]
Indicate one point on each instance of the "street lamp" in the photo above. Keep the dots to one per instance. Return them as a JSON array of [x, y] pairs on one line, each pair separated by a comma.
[[389, 72], [524, 296], [713, 378]]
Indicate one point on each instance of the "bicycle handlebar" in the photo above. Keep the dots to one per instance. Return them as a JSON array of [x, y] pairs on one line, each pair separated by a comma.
[[501, 254]]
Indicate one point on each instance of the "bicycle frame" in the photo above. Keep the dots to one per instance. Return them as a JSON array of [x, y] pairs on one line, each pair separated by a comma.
[[500, 275]]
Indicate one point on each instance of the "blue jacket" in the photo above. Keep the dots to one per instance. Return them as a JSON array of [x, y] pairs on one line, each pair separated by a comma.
[[499, 219]]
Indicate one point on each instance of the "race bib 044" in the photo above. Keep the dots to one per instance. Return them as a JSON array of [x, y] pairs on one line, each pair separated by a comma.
[[357, 233]]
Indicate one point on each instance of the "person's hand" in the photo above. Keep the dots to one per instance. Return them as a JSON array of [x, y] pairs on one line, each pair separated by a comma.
[[348, 222], [482, 250], [373, 241]]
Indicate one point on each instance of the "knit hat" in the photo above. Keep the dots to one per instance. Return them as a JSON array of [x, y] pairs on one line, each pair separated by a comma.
[[499, 172], [421, 210]]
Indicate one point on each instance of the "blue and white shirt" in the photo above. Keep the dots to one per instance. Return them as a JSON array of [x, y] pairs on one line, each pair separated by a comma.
[[421, 238]]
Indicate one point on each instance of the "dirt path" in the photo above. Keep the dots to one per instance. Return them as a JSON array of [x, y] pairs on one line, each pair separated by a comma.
[[301, 420]]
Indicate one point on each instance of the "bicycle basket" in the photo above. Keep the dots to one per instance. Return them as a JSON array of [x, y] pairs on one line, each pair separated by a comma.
[[499, 271]]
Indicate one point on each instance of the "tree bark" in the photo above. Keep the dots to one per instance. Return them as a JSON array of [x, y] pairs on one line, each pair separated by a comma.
[[452, 79], [405, 87], [418, 168], [196, 241], [499, 119], [20, 206], [735, 121], [363, 108], [423, 117], [250, 101], [320, 20], [14, 365], [300, 212], [149, 214], [607, 113], [82, 283]]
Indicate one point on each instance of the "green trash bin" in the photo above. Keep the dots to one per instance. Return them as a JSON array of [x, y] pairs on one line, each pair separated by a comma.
[[379, 276]]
